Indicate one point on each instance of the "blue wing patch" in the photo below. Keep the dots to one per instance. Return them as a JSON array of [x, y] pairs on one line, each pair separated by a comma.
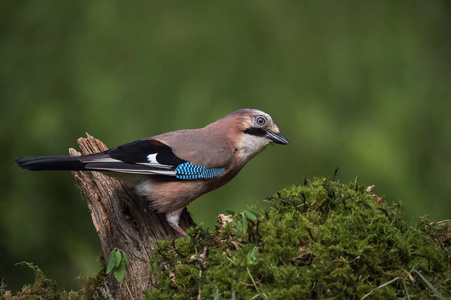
[[188, 171]]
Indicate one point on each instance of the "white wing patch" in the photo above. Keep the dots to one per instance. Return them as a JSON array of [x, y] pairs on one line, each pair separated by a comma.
[[152, 158], [153, 163]]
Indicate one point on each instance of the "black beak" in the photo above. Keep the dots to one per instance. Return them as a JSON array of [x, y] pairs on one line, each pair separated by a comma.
[[277, 138]]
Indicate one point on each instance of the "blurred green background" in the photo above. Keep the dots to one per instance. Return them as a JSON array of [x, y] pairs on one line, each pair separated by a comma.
[[365, 86]]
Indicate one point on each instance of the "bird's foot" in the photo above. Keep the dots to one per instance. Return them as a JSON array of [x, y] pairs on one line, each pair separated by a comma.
[[180, 230], [173, 220]]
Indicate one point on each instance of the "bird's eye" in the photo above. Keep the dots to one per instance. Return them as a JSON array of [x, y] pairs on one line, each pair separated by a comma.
[[260, 121]]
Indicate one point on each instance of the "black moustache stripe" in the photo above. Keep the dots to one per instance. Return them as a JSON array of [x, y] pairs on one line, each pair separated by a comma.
[[255, 131]]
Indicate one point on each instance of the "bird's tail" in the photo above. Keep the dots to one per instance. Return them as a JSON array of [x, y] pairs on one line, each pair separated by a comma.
[[51, 163]]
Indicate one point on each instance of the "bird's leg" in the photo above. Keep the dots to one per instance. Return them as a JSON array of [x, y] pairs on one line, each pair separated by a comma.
[[180, 230], [173, 220]]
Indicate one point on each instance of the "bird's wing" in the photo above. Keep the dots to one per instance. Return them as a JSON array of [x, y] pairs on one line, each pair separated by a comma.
[[149, 157], [201, 147]]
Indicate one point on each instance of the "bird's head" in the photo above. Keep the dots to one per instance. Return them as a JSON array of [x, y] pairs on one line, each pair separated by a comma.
[[253, 130]]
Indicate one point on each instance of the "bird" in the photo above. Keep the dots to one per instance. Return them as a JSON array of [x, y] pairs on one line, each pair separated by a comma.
[[173, 169]]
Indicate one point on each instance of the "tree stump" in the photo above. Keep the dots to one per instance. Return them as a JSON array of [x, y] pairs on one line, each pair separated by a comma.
[[123, 220]]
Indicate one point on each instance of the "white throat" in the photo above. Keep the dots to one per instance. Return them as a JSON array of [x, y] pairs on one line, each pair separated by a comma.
[[250, 145]]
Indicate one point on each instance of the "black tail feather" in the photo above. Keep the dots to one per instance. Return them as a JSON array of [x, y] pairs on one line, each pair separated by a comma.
[[51, 163]]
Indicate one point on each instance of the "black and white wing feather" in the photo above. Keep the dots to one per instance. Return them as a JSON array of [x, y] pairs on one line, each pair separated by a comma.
[[145, 157], [140, 157]]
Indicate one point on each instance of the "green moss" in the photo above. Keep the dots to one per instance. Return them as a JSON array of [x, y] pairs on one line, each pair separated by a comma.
[[45, 288], [96, 287], [320, 240], [42, 288]]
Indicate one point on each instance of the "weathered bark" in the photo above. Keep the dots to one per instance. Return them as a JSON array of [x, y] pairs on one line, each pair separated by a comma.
[[123, 220]]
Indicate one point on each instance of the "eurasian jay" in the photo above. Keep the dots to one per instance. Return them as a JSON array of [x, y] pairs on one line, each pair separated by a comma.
[[174, 168]]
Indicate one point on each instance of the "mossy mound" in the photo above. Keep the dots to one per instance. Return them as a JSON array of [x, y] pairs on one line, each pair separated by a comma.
[[320, 240]]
